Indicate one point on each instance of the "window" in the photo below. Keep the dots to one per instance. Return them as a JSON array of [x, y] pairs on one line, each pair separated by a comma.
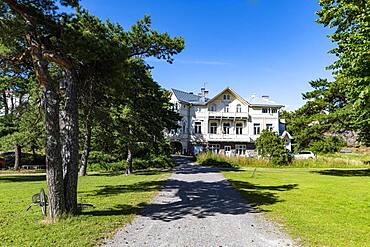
[[257, 128], [183, 127], [215, 148], [269, 127], [226, 96], [269, 110], [238, 108], [226, 109], [198, 127], [227, 148], [213, 128], [213, 107], [239, 128], [240, 149], [226, 128]]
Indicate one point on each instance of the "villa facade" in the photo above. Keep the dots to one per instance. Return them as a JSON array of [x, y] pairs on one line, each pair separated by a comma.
[[226, 123]]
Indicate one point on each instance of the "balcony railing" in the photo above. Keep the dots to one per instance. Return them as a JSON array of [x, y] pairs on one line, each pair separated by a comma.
[[228, 137], [228, 114]]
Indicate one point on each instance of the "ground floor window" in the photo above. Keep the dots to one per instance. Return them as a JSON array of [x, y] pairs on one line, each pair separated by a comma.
[[269, 127], [214, 148], [240, 149]]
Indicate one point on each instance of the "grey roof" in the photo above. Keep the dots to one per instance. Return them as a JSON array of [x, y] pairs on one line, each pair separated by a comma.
[[259, 101], [188, 97]]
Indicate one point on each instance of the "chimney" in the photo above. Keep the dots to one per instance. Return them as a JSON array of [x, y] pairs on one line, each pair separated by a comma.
[[265, 97], [205, 93]]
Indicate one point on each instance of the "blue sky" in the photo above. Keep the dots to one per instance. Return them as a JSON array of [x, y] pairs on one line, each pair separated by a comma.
[[266, 47]]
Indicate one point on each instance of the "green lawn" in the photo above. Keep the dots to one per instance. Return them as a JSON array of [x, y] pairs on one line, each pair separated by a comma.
[[117, 199], [321, 207]]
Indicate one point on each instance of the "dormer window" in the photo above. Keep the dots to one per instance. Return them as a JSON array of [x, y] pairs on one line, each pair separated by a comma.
[[213, 107], [226, 96]]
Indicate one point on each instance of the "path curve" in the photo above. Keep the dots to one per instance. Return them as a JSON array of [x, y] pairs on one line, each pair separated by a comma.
[[198, 207]]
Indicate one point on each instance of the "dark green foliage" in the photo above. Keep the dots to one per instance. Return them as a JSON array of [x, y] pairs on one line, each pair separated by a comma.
[[269, 145], [328, 144]]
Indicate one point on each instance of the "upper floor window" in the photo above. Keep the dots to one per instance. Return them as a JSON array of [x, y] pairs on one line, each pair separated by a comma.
[[198, 127], [183, 127], [257, 128], [238, 108], [213, 128], [269, 127], [226, 108], [213, 107], [226, 128], [226, 96], [269, 110], [239, 128]]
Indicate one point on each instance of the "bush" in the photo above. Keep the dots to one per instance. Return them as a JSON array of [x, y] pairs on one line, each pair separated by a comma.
[[211, 159], [160, 161], [269, 145]]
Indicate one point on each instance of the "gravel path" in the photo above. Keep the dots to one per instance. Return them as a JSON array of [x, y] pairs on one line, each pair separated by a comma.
[[198, 207]]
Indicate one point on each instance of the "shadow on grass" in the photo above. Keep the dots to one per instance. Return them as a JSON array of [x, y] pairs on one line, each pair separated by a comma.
[[120, 209], [345, 173], [258, 195], [109, 190], [23, 178]]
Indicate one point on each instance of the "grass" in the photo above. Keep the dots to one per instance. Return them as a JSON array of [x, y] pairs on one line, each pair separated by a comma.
[[321, 207], [323, 161], [117, 199]]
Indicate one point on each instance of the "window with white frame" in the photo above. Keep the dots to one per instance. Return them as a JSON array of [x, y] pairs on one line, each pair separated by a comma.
[[213, 128], [269, 110], [269, 127], [257, 128], [215, 148], [239, 128], [240, 149], [238, 108], [226, 128], [226, 96], [213, 107], [226, 108], [198, 128]]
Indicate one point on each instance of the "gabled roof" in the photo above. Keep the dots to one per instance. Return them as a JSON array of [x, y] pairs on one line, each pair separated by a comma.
[[231, 91], [286, 133], [188, 97]]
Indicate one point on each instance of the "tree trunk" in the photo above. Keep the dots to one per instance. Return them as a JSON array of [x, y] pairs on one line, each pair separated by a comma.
[[18, 157], [70, 143], [87, 143], [5, 102], [129, 160], [54, 170]]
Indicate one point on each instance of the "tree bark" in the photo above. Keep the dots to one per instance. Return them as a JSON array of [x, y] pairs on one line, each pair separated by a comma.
[[70, 143], [18, 157], [87, 145], [5, 102], [129, 160], [54, 170]]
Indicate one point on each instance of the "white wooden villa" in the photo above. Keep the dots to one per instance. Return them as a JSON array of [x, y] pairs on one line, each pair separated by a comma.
[[226, 123]]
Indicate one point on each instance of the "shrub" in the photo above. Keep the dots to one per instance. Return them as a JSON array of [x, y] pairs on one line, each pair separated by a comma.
[[269, 145]]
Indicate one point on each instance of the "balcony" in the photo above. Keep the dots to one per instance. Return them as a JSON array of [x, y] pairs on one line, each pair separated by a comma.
[[228, 137], [219, 115]]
